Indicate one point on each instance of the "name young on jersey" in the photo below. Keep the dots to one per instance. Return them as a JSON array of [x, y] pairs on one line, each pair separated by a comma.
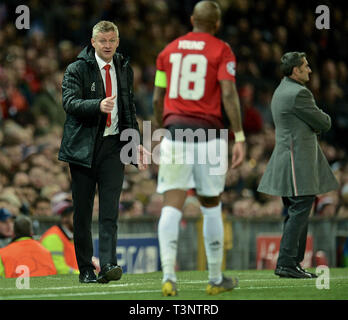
[[191, 45]]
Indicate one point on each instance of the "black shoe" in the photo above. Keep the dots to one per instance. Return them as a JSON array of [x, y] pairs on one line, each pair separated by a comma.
[[109, 272], [291, 272], [87, 276], [312, 275]]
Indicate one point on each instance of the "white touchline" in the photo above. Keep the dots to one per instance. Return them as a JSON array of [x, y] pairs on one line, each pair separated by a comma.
[[57, 295], [53, 295], [82, 287]]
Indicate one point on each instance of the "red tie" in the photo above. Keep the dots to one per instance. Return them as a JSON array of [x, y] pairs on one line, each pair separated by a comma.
[[108, 90]]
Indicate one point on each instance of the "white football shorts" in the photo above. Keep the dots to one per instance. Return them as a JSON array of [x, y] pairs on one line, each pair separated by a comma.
[[187, 165]]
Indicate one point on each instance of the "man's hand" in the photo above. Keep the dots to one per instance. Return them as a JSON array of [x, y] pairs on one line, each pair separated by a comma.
[[237, 154], [96, 264], [142, 157], [107, 104]]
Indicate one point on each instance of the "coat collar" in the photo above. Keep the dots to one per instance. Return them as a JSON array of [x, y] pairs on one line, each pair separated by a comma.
[[293, 81], [88, 54], [102, 63]]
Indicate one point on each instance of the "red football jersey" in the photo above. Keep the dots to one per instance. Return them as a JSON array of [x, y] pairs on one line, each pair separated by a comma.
[[194, 64]]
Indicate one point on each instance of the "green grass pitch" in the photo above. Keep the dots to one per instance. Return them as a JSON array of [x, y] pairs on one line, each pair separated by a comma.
[[253, 285]]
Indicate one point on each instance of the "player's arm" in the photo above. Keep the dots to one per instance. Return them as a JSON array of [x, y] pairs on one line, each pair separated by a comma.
[[306, 109], [231, 103], [72, 92], [158, 96]]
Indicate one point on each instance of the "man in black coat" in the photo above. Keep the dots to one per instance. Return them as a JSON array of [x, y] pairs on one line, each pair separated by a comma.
[[98, 101]]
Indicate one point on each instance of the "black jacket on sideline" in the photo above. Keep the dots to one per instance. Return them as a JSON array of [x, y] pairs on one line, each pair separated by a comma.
[[83, 90]]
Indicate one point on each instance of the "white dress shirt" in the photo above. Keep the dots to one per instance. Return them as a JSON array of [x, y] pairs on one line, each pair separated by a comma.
[[113, 129]]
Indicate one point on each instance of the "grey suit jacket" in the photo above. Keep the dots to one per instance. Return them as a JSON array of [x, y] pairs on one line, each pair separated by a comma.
[[297, 166]]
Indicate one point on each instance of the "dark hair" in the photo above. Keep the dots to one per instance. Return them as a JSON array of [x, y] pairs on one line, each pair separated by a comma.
[[23, 227], [67, 211], [40, 199], [290, 60]]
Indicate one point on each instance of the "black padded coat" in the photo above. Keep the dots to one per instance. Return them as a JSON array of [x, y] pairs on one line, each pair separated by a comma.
[[82, 91]]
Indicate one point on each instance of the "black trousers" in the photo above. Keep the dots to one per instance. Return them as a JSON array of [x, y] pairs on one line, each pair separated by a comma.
[[293, 242], [107, 172]]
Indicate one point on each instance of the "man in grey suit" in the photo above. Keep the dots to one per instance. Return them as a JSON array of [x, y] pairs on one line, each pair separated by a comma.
[[297, 170]]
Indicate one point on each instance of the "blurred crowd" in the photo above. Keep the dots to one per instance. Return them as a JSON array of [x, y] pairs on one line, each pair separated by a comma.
[[32, 63]]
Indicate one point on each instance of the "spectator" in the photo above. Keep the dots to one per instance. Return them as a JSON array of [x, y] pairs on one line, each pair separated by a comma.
[[252, 119], [20, 179], [42, 207], [326, 205], [155, 205], [23, 250], [6, 227], [48, 101], [27, 196], [263, 105], [131, 209], [62, 179], [10, 201], [342, 211], [191, 207], [14, 100], [342, 77], [50, 190], [37, 177], [29, 72]]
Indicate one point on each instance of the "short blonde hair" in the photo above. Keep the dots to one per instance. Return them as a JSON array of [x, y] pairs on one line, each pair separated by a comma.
[[104, 26]]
